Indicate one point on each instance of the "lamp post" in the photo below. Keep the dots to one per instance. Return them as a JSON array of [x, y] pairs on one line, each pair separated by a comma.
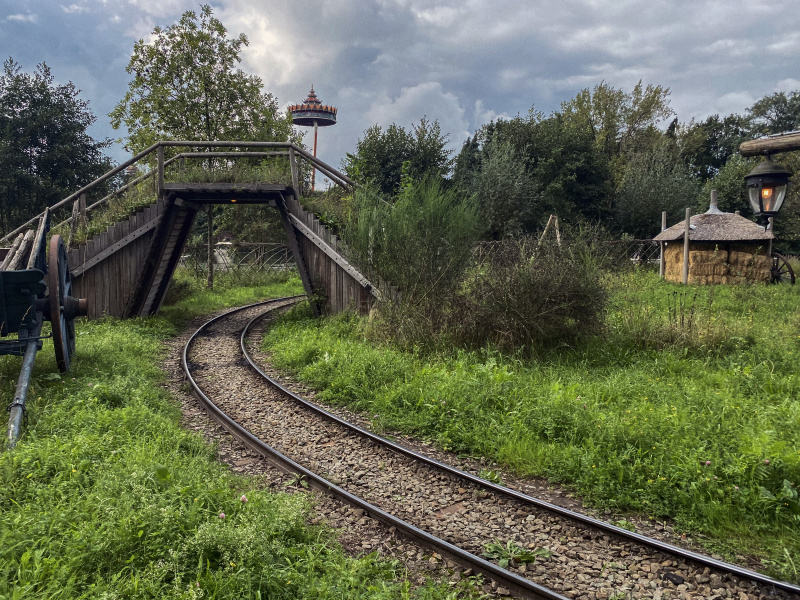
[[766, 189]]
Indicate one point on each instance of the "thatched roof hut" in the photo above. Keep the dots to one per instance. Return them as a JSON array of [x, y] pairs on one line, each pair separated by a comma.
[[723, 248]]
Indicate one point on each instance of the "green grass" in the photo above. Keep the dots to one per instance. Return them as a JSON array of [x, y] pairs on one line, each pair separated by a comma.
[[685, 408], [106, 496], [189, 297]]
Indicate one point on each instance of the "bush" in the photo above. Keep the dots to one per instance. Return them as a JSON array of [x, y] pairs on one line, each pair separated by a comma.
[[531, 297], [420, 244]]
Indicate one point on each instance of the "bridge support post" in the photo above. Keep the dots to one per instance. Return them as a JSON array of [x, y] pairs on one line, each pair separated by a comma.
[[291, 235]]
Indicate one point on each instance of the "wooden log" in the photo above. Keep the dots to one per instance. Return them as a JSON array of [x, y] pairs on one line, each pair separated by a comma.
[[784, 142], [39, 241], [14, 249], [21, 256]]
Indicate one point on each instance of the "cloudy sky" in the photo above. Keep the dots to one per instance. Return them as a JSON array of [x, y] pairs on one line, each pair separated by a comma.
[[463, 62]]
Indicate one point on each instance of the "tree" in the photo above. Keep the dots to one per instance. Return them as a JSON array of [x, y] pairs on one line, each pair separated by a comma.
[[777, 113], [524, 169], [707, 146], [186, 85], [656, 180], [505, 191], [619, 121], [383, 157], [45, 151]]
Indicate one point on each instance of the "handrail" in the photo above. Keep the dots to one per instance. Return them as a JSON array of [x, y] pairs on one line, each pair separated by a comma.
[[289, 149], [85, 189]]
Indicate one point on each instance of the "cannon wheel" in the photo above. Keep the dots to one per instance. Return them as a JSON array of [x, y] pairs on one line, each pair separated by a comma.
[[782, 271], [59, 283]]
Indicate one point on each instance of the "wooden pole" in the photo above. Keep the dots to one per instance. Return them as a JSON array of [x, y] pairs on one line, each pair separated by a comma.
[[769, 245], [314, 170], [785, 142], [686, 246], [210, 283], [20, 257], [295, 176], [160, 175], [291, 237], [14, 249], [661, 265]]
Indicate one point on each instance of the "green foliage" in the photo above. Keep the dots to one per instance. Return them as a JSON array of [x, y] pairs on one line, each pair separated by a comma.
[[729, 183], [188, 296], [617, 119], [381, 156], [707, 146], [778, 113], [420, 243], [656, 180], [681, 426], [505, 191], [186, 86], [525, 169], [45, 150], [525, 297], [513, 553]]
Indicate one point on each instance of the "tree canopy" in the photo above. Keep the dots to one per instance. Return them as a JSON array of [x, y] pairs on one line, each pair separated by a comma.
[[382, 158], [46, 152], [186, 85]]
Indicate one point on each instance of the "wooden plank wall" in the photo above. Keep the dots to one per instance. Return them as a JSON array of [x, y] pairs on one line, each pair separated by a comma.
[[341, 291], [108, 284]]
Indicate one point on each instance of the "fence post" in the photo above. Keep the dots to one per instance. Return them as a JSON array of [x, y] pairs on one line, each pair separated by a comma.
[[79, 218], [210, 283], [686, 246], [661, 265], [295, 177], [769, 227], [160, 174]]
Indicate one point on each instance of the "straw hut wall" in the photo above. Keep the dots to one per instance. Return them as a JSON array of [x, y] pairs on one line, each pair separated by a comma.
[[723, 248]]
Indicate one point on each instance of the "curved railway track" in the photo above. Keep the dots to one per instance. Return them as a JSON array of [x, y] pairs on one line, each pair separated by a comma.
[[449, 511]]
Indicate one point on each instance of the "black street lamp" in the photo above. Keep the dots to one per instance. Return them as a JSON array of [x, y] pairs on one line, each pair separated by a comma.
[[766, 188]]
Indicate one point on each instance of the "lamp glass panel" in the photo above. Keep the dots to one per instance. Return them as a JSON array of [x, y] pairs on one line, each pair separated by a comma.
[[779, 196], [753, 194]]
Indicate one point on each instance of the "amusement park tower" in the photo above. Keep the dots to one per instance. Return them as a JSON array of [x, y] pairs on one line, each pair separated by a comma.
[[313, 112]]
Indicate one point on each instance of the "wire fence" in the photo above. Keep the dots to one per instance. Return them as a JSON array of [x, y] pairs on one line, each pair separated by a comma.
[[238, 260], [640, 253]]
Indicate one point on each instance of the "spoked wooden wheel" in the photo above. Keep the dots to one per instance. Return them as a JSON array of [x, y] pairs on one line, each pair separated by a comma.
[[782, 271], [63, 307]]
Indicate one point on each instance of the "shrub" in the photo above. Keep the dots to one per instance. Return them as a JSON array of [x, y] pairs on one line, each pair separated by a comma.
[[420, 244], [523, 295]]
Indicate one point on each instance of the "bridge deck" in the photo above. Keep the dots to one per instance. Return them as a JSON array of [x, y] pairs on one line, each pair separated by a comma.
[[226, 193]]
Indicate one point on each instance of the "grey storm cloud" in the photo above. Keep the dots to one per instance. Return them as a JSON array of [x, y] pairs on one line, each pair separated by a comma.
[[461, 62]]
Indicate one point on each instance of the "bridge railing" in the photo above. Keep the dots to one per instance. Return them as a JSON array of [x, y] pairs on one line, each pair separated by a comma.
[[156, 166]]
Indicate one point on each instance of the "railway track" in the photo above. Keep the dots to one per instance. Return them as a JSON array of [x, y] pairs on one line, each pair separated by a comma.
[[548, 552]]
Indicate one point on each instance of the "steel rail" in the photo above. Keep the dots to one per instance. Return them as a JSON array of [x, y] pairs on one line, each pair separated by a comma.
[[563, 512], [517, 585]]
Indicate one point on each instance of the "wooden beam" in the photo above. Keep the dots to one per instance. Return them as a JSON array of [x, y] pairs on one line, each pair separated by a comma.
[[334, 256], [774, 144], [189, 205], [291, 237], [113, 248], [686, 246]]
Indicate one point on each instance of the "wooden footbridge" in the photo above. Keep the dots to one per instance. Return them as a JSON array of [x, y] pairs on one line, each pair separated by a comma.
[[125, 271]]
